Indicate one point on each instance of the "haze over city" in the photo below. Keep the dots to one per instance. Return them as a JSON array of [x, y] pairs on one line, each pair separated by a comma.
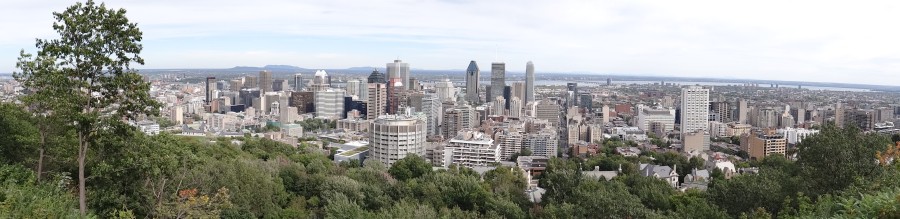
[[823, 41]]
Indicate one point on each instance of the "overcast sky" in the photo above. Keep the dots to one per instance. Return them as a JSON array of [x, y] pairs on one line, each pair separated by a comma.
[[846, 41]]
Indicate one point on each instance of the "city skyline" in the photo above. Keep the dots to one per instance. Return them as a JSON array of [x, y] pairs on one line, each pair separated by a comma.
[[831, 42]]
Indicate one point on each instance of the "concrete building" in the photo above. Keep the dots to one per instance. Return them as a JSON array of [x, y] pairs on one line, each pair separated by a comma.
[[445, 90], [353, 88], [298, 82], [472, 83], [377, 100], [392, 137], [498, 79], [177, 115], [647, 116], [695, 112], [529, 82], [515, 107], [722, 111], [547, 110], [265, 81], [210, 89], [329, 104], [251, 82], [498, 106], [761, 145], [796, 135], [434, 113], [694, 142], [742, 111], [458, 118], [517, 89], [542, 143], [471, 148]]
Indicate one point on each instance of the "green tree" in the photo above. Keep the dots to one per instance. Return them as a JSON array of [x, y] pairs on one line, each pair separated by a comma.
[[835, 158], [91, 62], [411, 166]]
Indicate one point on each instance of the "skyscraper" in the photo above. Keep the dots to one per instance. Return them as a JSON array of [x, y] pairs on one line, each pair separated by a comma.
[[377, 100], [518, 90], [298, 82], [529, 82], [445, 90], [742, 111], [265, 81], [695, 111], [377, 77], [329, 104], [210, 87], [353, 88], [399, 69], [472, 76], [498, 79]]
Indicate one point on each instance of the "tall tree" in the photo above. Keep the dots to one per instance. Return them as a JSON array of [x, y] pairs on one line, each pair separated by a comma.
[[91, 63]]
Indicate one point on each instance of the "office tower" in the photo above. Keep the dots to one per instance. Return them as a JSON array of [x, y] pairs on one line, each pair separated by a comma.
[[766, 118], [743, 110], [518, 90], [472, 83], [279, 85], [507, 94], [251, 82], [547, 110], [864, 119], [394, 92], [606, 115], [608, 81], [304, 101], [458, 118], [247, 95], [265, 81], [377, 100], [363, 90], [354, 105], [721, 110], [587, 101], [398, 69], [320, 81], [414, 84], [573, 90], [298, 82], [235, 85], [392, 137], [353, 88], [529, 82], [647, 116], [434, 112], [695, 110], [377, 77], [329, 104], [445, 90], [515, 107], [498, 79], [210, 88], [498, 106]]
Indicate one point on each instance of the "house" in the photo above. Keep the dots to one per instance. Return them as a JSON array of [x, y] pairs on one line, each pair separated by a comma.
[[597, 174], [697, 179], [669, 174]]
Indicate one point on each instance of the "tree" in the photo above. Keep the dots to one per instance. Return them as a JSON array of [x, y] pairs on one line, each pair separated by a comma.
[[409, 167], [837, 157], [91, 64]]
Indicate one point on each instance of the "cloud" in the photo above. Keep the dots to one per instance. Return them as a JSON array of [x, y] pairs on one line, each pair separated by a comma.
[[794, 40]]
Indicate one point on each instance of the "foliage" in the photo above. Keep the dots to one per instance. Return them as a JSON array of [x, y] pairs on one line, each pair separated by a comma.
[[411, 166]]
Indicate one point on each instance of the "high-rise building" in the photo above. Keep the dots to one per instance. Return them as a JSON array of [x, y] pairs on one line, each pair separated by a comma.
[[547, 110], [839, 115], [320, 81], [515, 107], [472, 148], [695, 111], [743, 110], [235, 85], [394, 95], [721, 110], [298, 82], [510, 141], [542, 143], [279, 85], [473, 74], [434, 112], [647, 116], [445, 90], [265, 81], [529, 82], [606, 114], [498, 106], [377, 77], [210, 89], [251, 82], [498, 79], [393, 137], [329, 104], [304, 101], [377, 100], [353, 88], [761, 145], [177, 115], [458, 118], [399, 69], [517, 90]]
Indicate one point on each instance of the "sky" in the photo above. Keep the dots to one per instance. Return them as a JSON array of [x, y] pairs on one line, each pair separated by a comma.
[[822, 41]]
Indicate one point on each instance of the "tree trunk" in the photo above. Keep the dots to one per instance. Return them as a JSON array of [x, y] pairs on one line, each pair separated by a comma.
[[82, 153], [40, 164]]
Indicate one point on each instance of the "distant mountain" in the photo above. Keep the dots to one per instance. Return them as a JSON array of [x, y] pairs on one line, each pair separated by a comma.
[[290, 68]]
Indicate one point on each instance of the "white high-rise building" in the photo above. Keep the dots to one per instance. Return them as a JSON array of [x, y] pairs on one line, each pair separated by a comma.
[[353, 89], [433, 108], [399, 69], [647, 116], [498, 106], [529, 82], [695, 111], [377, 102], [472, 148], [329, 104], [392, 137], [743, 111], [515, 107], [543, 143], [445, 90]]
